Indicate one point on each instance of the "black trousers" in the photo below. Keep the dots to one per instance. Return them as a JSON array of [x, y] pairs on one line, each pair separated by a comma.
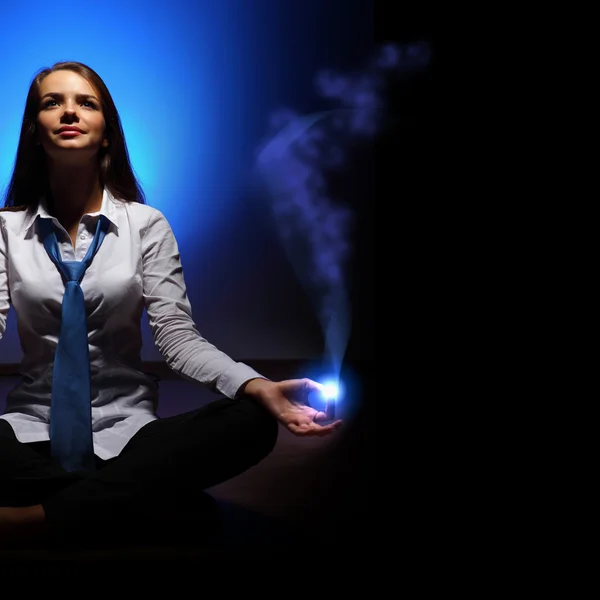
[[162, 471]]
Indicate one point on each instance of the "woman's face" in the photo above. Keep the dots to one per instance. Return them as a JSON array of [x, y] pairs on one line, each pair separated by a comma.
[[70, 120]]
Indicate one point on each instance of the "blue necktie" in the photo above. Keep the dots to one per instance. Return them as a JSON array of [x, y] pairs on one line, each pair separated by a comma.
[[71, 440]]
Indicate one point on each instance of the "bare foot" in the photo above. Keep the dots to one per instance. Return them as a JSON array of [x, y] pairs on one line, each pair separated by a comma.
[[22, 524]]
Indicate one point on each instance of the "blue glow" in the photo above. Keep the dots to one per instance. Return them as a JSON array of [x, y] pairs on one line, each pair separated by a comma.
[[174, 70], [342, 393], [331, 390], [330, 395], [295, 162], [195, 83]]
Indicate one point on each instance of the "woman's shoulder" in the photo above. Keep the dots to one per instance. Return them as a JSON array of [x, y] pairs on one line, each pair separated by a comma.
[[144, 212], [13, 218], [145, 218], [141, 208], [13, 209], [13, 214]]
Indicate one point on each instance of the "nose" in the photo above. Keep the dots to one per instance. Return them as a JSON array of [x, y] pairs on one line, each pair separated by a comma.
[[69, 114]]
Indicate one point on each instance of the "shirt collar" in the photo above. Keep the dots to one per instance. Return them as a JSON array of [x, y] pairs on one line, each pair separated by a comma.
[[108, 209]]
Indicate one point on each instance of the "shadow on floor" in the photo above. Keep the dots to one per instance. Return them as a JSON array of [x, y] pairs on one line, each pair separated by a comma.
[[245, 535]]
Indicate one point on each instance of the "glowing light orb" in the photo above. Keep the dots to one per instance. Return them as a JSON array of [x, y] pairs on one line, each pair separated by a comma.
[[331, 390]]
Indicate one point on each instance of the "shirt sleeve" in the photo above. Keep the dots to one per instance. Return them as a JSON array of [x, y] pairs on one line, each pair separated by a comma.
[[4, 292], [170, 316]]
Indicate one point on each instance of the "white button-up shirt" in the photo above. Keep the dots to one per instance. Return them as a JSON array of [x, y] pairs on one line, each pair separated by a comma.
[[138, 265]]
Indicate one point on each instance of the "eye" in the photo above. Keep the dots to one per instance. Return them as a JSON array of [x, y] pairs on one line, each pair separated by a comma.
[[89, 104], [48, 103]]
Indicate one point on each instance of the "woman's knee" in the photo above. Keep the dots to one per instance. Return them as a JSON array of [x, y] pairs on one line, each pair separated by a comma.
[[263, 427]]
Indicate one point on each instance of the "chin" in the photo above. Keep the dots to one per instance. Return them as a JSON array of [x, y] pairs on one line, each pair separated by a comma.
[[71, 153]]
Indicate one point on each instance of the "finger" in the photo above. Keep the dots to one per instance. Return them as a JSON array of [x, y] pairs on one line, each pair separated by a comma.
[[331, 427], [305, 429], [312, 386], [323, 416], [306, 383]]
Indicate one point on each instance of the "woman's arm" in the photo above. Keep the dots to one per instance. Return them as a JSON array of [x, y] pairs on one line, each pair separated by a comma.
[[169, 311]]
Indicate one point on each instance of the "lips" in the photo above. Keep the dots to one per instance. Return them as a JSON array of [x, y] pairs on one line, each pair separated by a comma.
[[69, 130]]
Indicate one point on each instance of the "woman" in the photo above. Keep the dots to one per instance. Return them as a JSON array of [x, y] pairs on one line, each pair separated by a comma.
[[72, 177]]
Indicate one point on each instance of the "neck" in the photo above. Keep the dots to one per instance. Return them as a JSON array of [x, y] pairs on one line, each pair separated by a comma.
[[74, 191]]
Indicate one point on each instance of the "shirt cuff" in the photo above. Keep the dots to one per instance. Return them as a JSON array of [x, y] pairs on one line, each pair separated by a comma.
[[230, 382]]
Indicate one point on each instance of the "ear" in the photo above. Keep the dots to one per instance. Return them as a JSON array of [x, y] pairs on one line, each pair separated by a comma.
[[105, 143]]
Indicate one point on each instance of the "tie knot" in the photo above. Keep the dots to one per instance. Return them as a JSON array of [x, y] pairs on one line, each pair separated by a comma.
[[74, 270]]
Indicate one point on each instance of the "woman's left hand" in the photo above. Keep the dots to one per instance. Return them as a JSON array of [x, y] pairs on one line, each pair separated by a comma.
[[288, 401]]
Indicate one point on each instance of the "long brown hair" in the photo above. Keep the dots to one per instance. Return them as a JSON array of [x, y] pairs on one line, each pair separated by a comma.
[[29, 180]]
